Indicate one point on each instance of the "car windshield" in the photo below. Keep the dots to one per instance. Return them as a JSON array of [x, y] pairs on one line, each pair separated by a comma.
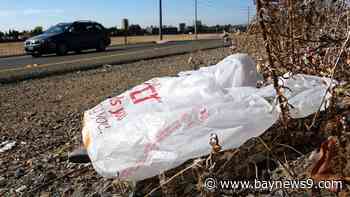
[[58, 28]]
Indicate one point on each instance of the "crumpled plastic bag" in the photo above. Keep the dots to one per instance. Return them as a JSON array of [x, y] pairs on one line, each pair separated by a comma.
[[165, 121]]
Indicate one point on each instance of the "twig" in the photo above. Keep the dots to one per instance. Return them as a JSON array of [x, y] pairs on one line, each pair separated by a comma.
[[330, 84], [275, 157], [173, 177], [58, 178], [290, 147], [264, 31], [281, 99], [291, 31]]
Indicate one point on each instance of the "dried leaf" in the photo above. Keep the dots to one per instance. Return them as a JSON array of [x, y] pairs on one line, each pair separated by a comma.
[[348, 61], [322, 171]]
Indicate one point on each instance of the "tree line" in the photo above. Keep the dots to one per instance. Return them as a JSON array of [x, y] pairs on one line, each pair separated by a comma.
[[133, 30], [14, 35]]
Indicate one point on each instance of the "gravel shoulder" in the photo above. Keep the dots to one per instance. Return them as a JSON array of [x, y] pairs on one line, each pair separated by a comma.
[[43, 117]]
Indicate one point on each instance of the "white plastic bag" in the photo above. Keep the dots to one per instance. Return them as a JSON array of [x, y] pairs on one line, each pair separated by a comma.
[[162, 123], [234, 71], [237, 70]]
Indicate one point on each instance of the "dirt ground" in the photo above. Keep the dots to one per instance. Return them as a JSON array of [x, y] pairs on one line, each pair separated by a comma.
[[43, 117], [16, 48]]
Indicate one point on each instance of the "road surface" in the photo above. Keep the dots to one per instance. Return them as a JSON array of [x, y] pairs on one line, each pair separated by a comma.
[[14, 69], [113, 55]]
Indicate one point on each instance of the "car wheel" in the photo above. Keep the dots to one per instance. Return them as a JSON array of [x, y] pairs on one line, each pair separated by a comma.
[[36, 55], [77, 51], [62, 49], [101, 46]]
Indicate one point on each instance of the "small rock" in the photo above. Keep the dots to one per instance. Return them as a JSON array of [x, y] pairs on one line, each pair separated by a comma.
[[19, 173], [106, 194], [29, 162], [57, 126], [21, 189], [2, 181], [78, 193], [107, 66], [49, 176], [7, 145], [56, 194], [45, 194], [39, 179]]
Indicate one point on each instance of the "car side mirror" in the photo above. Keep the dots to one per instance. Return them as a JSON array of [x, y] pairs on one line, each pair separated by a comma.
[[71, 30]]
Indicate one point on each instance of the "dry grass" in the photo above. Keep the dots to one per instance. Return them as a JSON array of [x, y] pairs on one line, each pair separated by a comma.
[[12, 48], [16, 48]]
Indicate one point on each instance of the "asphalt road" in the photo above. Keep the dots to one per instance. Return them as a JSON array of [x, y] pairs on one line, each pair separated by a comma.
[[113, 54], [15, 69]]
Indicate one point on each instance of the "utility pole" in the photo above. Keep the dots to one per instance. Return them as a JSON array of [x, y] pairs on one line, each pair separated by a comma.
[[160, 21], [195, 19], [248, 15], [125, 24]]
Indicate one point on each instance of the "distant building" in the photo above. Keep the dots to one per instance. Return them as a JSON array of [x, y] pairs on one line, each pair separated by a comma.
[[170, 30], [276, 2], [199, 23], [166, 30], [152, 30], [182, 28], [189, 29], [135, 30]]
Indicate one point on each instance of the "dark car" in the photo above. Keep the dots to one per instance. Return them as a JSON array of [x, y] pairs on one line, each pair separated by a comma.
[[65, 37]]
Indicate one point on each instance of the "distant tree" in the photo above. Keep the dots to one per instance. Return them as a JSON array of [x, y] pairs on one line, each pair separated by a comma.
[[24, 35], [135, 30], [37, 30], [13, 34], [2, 36], [125, 27], [113, 31]]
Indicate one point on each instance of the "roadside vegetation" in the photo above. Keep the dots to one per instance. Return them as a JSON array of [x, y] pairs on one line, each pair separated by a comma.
[[43, 116]]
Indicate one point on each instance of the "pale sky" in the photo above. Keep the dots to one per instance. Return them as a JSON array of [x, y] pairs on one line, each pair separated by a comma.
[[24, 14]]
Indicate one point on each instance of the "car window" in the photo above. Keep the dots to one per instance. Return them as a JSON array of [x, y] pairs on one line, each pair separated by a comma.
[[79, 28], [98, 28], [90, 28], [62, 27]]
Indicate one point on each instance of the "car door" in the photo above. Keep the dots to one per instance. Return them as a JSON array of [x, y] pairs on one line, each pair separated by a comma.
[[74, 38], [100, 33], [79, 36], [91, 36], [85, 35]]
